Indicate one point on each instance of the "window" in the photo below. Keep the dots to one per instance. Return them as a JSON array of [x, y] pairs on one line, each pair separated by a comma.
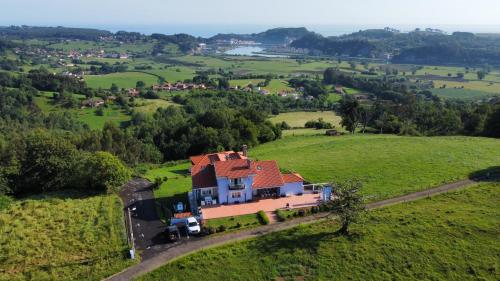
[[205, 192], [235, 181], [236, 195]]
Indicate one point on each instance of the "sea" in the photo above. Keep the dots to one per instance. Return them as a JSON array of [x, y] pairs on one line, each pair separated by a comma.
[[209, 30]]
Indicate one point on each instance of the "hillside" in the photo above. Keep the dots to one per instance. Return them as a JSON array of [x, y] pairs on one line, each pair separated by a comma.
[[271, 36], [388, 165], [417, 47], [63, 236], [448, 237]]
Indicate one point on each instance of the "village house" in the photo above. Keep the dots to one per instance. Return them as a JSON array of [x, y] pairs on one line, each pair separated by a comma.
[[133, 92], [231, 177], [92, 102]]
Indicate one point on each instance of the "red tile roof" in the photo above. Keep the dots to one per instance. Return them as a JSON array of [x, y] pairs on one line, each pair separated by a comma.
[[206, 159], [292, 177], [230, 164], [268, 175], [237, 168], [203, 176]]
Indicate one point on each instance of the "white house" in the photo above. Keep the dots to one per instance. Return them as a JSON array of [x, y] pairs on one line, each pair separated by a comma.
[[231, 177]]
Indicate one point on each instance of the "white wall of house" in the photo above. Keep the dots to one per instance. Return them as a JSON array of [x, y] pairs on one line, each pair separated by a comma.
[[230, 196], [293, 188], [202, 193]]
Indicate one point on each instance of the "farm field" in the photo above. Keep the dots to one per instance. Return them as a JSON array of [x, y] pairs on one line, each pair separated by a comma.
[[121, 79], [299, 119], [483, 86], [452, 93], [150, 106], [448, 237], [387, 165], [63, 236]]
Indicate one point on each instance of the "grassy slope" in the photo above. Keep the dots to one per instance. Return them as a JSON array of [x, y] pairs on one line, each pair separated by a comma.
[[388, 165], [56, 239], [449, 237]]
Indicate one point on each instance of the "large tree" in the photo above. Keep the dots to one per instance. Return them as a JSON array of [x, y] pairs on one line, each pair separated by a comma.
[[348, 203], [350, 112]]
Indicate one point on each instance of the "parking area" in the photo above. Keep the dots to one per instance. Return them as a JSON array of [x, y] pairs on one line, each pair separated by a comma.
[[266, 205], [148, 229]]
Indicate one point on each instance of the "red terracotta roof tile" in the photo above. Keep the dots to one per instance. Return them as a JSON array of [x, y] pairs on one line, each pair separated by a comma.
[[292, 177], [237, 168], [268, 175]]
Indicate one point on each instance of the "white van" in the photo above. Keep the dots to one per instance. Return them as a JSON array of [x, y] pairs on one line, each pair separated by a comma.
[[190, 223]]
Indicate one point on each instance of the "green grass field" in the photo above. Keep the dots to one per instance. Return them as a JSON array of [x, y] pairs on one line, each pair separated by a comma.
[[483, 86], [449, 237], [121, 79], [299, 119], [150, 106], [57, 238], [453, 93], [388, 165]]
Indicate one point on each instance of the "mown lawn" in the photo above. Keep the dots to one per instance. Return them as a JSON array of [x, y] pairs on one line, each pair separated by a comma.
[[178, 179], [298, 119], [449, 237], [388, 165], [59, 238]]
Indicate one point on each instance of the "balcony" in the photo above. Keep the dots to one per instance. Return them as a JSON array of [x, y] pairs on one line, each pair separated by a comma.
[[236, 186]]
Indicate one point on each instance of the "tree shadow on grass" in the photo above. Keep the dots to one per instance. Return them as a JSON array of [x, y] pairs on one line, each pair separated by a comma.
[[291, 241], [491, 174], [183, 172]]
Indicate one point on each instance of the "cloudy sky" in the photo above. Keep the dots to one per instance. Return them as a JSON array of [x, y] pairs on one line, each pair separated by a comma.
[[270, 12]]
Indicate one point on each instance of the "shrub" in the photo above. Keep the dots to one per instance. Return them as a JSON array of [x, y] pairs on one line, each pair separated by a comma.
[[221, 228], [315, 209], [280, 215], [4, 202], [211, 230], [301, 213], [263, 217], [238, 225]]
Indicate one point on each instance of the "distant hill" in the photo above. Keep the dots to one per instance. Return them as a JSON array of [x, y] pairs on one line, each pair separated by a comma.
[[416, 47], [271, 36], [33, 32]]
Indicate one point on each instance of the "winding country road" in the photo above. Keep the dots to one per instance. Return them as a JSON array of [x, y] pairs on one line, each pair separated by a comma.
[[186, 248]]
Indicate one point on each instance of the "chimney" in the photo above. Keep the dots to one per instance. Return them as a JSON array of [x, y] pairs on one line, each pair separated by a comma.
[[244, 149]]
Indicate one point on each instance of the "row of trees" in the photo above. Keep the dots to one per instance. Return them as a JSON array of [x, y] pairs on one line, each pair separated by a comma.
[[398, 109]]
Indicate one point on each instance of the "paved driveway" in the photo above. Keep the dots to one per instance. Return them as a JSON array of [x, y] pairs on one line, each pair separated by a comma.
[[148, 229]]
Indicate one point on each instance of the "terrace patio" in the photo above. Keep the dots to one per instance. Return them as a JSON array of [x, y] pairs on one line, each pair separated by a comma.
[[266, 205]]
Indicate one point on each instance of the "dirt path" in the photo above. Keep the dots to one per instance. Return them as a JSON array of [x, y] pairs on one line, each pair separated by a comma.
[[208, 242]]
